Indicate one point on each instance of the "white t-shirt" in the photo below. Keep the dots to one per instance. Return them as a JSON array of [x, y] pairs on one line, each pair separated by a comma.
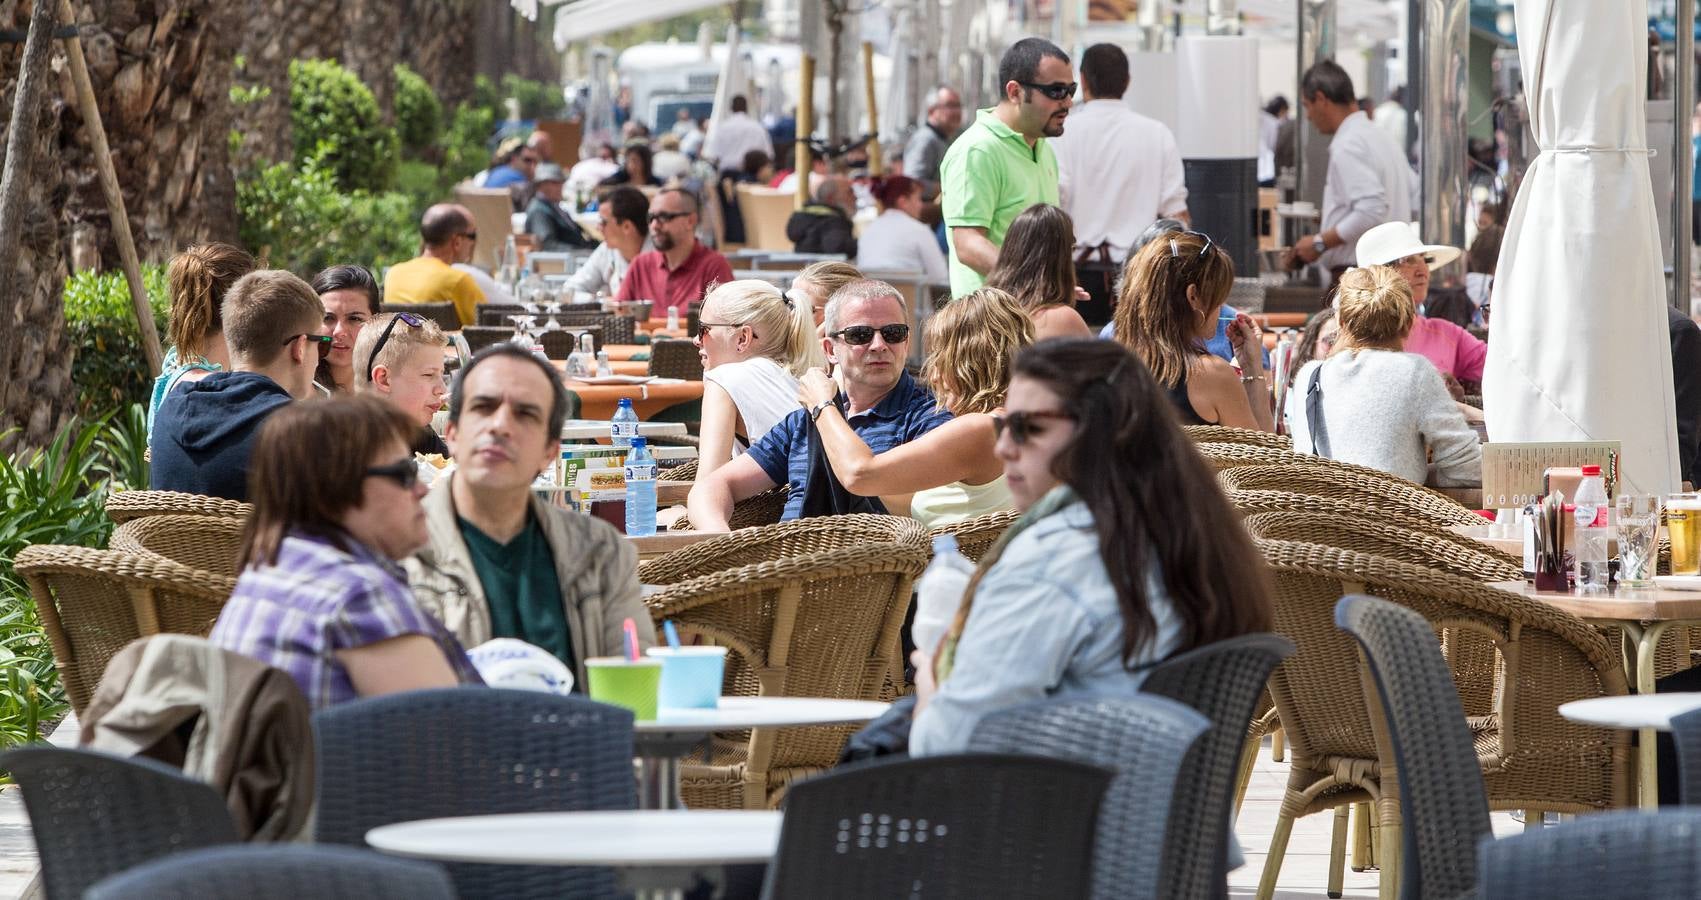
[[732, 137], [896, 242], [763, 391], [1117, 172]]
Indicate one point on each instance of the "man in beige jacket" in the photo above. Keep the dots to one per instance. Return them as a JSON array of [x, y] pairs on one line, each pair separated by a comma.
[[501, 562]]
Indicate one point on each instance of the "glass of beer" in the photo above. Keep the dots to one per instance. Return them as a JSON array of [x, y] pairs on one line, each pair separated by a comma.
[[1683, 524]]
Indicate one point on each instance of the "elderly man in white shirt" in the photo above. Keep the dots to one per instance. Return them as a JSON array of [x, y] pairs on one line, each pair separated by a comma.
[[737, 134], [1369, 180]]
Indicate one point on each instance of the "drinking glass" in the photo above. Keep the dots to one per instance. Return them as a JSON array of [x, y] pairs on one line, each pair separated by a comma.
[[1638, 539], [1683, 524]]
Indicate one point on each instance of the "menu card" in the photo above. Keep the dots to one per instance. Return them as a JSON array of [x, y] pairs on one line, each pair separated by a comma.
[[1512, 471]]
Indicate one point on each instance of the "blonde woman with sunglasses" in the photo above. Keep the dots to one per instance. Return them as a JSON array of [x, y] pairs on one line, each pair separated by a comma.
[[754, 343]]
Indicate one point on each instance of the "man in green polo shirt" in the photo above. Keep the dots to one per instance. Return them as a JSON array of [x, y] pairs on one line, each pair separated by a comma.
[[1001, 164]]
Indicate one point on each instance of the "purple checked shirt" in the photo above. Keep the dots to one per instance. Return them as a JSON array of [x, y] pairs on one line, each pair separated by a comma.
[[317, 600]]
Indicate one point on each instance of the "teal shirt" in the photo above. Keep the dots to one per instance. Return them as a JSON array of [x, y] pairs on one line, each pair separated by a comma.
[[521, 588], [988, 177]]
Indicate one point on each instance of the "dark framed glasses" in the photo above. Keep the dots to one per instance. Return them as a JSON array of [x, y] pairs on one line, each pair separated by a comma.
[[412, 320], [1023, 423], [665, 217], [1057, 90], [860, 335], [404, 472], [322, 341]]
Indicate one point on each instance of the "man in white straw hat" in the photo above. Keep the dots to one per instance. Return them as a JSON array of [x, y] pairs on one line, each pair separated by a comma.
[[1453, 350]]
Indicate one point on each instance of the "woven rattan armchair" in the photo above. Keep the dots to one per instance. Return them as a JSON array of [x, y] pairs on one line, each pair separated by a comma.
[[1223, 434], [496, 315], [1532, 758], [93, 602], [1253, 502], [675, 359], [765, 508], [685, 471], [1377, 492], [808, 608], [977, 535], [126, 505], [479, 337], [210, 543]]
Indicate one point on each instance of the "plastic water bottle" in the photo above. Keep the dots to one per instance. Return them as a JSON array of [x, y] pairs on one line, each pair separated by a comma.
[[1592, 531], [623, 429], [507, 266], [640, 489], [673, 318], [939, 593]]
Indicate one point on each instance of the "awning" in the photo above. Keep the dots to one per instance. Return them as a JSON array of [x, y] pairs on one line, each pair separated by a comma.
[[1580, 348], [586, 19]]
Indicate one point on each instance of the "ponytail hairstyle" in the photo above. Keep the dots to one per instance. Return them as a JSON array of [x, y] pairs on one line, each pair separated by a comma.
[[784, 327], [199, 277], [1374, 306]]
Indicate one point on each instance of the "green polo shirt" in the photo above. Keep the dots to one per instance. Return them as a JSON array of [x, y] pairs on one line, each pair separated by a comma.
[[521, 588], [988, 177]]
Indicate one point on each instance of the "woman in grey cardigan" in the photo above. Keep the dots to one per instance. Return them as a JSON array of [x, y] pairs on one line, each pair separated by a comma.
[[1373, 404]]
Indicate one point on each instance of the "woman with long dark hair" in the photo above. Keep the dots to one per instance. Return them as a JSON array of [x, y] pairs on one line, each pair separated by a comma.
[[351, 298], [1126, 552], [1036, 267]]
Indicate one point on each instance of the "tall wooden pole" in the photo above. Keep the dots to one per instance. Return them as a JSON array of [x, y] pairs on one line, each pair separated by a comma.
[[20, 143], [802, 164], [114, 196], [874, 166]]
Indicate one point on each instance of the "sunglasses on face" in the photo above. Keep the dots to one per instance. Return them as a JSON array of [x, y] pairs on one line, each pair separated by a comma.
[[860, 335], [410, 319], [666, 217], [1022, 425], [404, 472], [322, 341], [1057, 90], [470, 235]]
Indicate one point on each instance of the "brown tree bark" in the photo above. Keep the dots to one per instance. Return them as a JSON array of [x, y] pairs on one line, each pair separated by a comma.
[[437, 42], [273, 33], [373, 47]]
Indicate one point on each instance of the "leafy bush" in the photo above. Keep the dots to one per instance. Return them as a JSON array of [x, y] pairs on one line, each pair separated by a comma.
[[538, 99], [299, 219], [328, 106], [108, 366], [419, 115], [465, 143]]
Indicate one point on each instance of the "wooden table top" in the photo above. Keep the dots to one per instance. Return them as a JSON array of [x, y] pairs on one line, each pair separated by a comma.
[[661, 543], [1619, 605]]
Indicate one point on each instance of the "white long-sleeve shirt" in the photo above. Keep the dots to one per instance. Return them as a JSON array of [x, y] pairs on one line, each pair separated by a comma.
[[895, 242], [1117, 172], [1369, 183]]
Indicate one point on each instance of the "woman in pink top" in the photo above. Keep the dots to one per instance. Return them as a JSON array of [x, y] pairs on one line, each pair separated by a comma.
[[1453, 349]]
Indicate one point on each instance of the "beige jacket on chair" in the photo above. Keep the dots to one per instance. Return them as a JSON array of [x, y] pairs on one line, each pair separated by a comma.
[[596, 567]]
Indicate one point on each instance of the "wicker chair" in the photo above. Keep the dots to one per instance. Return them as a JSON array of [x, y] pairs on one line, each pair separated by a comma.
[[950, 823], [126, 505], [765, 508], [479, 337], [1253, 502], [93, 602], [675, 359], [1382, 491], [496, 315], [809, 608], [685, 471], [560, 343], [1625, 856], [618, 329], [444, 314], [278, 872], [1532, 758], [1421, 726], [977, 535], [210, 543], [1222, 434], [1144, 741]]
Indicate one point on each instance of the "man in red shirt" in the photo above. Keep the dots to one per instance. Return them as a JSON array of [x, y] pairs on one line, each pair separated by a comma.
[[680, 270]]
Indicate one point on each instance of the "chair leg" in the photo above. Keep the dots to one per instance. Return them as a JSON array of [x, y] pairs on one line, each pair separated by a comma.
[[1533, 820], [1338, 852], [1388, 887], [1361, 837], [1248, 758], [1273, 861], [1277, 742]]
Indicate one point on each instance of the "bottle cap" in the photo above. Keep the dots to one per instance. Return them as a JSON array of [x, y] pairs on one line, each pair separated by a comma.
[[625, 402], [639, 442], [1591, 470]]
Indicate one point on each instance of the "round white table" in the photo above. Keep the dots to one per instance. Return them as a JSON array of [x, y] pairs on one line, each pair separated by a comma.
[[1653, 711], [661, 742], [659, 853]]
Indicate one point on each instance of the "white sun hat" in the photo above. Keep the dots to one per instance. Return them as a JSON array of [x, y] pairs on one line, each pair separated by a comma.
[[1390, 241]]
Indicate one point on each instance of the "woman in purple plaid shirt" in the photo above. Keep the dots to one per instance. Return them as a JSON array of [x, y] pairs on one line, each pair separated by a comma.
[[336, 504]]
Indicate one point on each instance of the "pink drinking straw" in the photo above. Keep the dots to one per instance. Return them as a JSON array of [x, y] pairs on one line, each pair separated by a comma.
[[631, 640]]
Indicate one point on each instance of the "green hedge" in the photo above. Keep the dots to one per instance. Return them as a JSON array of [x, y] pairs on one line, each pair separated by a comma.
[[419, 115], [301, 220], [336, 120], [108, 366]]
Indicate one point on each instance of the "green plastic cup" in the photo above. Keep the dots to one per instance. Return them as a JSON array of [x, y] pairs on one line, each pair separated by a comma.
[[618, 682]]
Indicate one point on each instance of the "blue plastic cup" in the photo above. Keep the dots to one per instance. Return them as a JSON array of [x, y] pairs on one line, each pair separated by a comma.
[[691, 676]]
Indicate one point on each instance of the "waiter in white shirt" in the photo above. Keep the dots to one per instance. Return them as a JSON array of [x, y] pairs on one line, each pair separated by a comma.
[[1369, 181], [737, 134], [1117, 172]]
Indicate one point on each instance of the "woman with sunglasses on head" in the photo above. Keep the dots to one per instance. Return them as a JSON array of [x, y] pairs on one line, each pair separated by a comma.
[[897, 241], [952, 470], [199, 278], [1172, 292], [350, 295], [1100, 578], [321, 595], [754, 342], [1036, 267], [399, 357]]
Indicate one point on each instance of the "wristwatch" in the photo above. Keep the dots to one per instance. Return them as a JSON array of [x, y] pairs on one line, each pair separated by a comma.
[[1318, 244], [815, 411]]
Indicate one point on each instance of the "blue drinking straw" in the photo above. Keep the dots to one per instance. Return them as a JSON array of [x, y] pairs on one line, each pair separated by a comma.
[[672, 634]]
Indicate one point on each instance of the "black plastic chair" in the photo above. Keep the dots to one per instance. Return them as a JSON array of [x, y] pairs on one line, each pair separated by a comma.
[[444, 314], [1686, 735], [474, 751], [675, 359], [1144, 740], [278, 872], [1625, 855], [947, 826], [1443, 804], [94, 814], [1222, 681]]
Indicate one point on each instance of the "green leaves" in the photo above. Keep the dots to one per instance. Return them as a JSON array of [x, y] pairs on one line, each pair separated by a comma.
[[336, 121], [109, 369], [418, 113]]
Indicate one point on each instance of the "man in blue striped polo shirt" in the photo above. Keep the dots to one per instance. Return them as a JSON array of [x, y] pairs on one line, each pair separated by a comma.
[[868, 339]]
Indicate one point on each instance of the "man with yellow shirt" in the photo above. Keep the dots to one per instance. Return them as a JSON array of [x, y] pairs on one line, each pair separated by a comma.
[[449, 236]]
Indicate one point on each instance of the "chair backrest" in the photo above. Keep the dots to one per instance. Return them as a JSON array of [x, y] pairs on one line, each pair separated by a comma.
[[474, 751], [1223, 434], [1223, 681], [1442, 550], [479, 337], [123, 506], [1376, 492], [278, 872], [947, 826], [95, 815], [444, 314], [1626, 855], [496, 315], [1270, 501], [675, 359], [493, 211], [1443, 805], [560, 343], [765, 211], [977, 535], [1686, 734], [211, 543], [94, 602], [1144, 741]]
